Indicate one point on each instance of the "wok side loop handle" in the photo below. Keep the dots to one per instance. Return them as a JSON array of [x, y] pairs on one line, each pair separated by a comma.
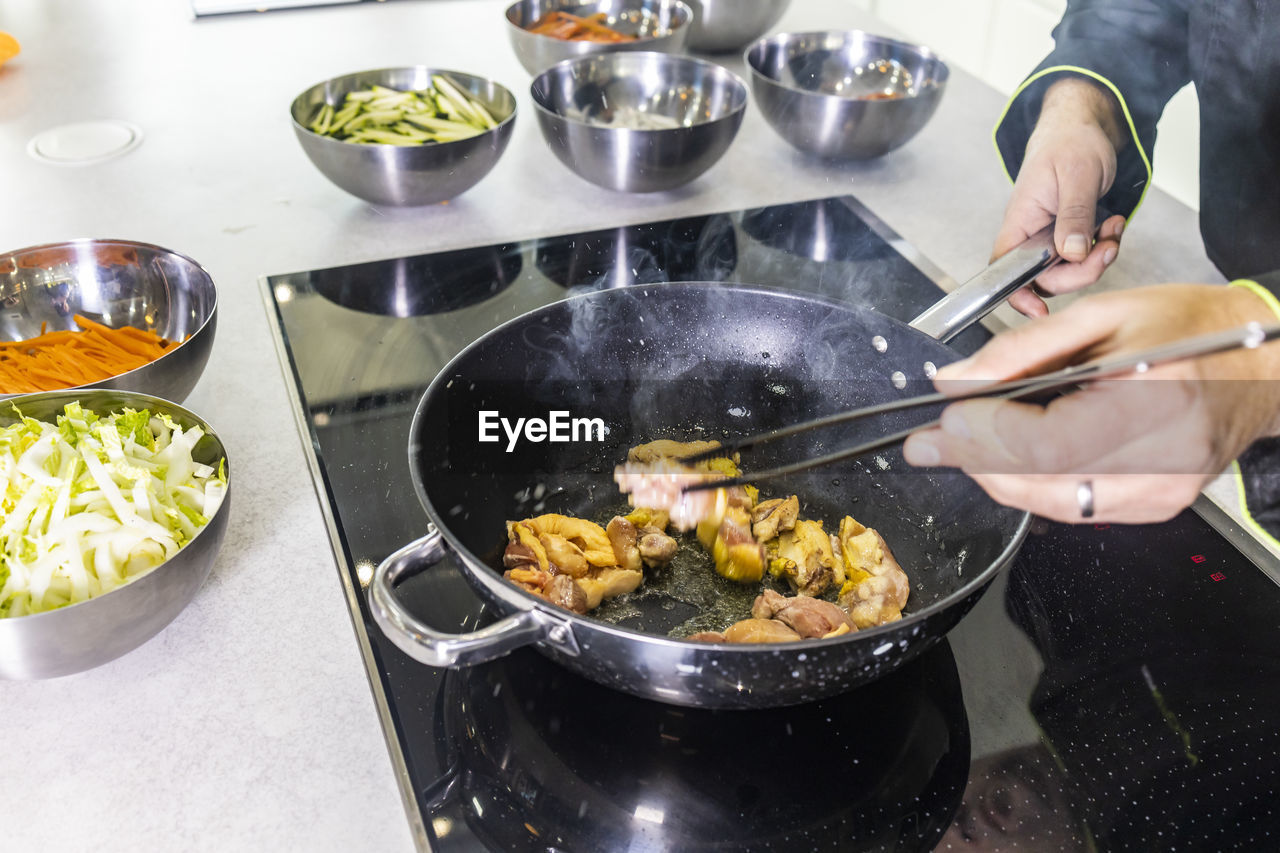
[[980, 295], [437, 648]]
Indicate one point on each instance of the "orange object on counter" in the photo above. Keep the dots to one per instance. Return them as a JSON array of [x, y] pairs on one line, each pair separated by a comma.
[[569, 27], [66, 359], [9, 47]]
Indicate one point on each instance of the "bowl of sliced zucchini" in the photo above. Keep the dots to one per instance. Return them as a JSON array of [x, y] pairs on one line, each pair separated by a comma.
[[405, 136]]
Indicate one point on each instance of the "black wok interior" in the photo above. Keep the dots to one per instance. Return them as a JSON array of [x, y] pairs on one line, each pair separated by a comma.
[[699, 360]]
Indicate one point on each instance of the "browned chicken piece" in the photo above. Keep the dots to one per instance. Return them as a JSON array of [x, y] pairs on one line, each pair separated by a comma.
[[769, 518], [567, 593], [707, 637], [626, 542], [805, 558], [876, 588], [563, 557], [760, 631], [608, 583], [808, 617], [665, 448], [587, 536], [572, 562], [656, 547]]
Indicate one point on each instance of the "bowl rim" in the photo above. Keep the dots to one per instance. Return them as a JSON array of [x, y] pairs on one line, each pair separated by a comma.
[[429, 69], [73, 396], [681, 6], [92, 386], [740, 86], [923, 50]]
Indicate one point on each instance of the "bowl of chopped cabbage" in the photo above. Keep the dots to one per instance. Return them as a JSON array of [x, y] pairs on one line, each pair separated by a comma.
[[114, 505]]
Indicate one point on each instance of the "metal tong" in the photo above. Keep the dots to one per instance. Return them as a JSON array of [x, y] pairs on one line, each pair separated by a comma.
[[1248, 336]]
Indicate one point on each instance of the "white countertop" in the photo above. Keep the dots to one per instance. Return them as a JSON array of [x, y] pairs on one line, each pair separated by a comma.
[[248, 724]]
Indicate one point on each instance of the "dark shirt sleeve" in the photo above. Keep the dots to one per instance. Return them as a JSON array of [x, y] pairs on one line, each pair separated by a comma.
[[1136, 48]]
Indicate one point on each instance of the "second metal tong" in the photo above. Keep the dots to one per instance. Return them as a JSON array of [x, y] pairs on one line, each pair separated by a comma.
[[1248, 336]]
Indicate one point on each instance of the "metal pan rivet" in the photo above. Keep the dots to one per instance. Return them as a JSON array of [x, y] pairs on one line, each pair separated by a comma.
[[930, 370], [880, 344], [899, 379]]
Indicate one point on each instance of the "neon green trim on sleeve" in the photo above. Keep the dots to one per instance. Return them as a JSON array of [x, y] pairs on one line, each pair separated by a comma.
[[1258, 530], [1124, 108], [1250, 522], [1261, 292]]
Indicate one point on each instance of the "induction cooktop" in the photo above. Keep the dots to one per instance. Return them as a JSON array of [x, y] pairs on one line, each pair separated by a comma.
[[1116, 688]]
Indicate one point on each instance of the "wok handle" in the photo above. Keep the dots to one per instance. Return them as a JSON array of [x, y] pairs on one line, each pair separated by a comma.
[[980, 295], [437, 648]]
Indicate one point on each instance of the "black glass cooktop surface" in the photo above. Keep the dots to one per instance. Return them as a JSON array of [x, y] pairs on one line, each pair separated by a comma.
[[1116, 688]]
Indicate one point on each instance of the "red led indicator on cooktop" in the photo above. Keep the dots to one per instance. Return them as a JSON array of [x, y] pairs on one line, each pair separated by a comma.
[[1198, 558], [1217, 576]]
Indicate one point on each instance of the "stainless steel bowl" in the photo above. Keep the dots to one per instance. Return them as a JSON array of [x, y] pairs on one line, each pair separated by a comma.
[[405, 175], [845, 95], [704, 103], [724, 25], [660, 25], [117, 283], [90, 633]]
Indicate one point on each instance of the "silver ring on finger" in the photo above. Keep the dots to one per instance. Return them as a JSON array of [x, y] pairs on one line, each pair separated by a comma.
[[1084, 498]]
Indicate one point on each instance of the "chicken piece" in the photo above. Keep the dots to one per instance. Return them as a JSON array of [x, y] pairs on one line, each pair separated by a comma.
[[563, 557], [808, 617], [643, 517], [587, 536], [626, 542], [805, 558], [736, 554], [760, 631], [876, 588], [769, 518], [665, 448], [656, 547], [707, 637], [602, 584], [531, 579], [661, 485], [519, 556], [567, 593]]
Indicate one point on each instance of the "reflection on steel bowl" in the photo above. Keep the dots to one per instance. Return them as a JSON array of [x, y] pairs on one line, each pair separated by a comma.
[[659, 25], [577, 101], [405, 175], [845, 95], [724, 25], [117, 283]]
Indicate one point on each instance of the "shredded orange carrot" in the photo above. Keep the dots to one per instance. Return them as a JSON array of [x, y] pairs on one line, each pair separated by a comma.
[[65, 359], [569, 27]]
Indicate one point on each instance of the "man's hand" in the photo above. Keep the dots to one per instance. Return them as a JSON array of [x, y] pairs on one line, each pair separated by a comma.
[[1148, 442], [1070, 163]]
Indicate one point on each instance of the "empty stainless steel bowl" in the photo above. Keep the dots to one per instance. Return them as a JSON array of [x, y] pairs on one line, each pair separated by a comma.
[[398, 174], [88, 634], [845, 95], [117, 283], [639, 122], [661, 25], [723, 25]]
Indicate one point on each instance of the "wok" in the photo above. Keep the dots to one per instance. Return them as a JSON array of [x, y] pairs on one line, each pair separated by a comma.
[[696, 360]]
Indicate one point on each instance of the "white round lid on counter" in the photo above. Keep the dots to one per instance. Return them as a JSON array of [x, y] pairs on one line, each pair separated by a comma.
[[85, 142]]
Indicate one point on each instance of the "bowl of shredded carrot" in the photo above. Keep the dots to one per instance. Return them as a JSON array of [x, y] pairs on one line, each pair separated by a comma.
[[544, 32], [112, 314]]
